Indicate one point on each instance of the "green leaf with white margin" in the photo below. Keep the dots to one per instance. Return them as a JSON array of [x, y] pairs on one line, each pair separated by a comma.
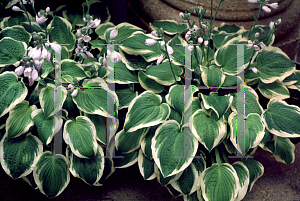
[[80, 135], [274, 90], [164, 181], [273, 64], [16, 32], [89, 170], [47, 127], [244, 179], [284, 150], [15, 20], [146, 142], [34, 25], [254, 130], [187, 182], [125, 97], [99, 44], [125, 160], [127, 142], [18, 155], [11, 51], [175, 116], [175, 97], [267, 38], [282, 119], [149, 84], [251, 102], [226, 56], [219, 104], [268, 138], [96, 100], [212, 76], [231, 80], [219, 183], [73, 69], [170, 141], [108, 169], [12, 91], [256, 170], [122, 74], [101, 126], [162, 73], [51, 173], [207, 130], [146, 166], [133, 62], [297, 84], [46, 68], [146, 110], [62, 32], [170, 27], [196, 105], [229, 28], [19, 120], [193, 197], [124, 31], [3, 122], [136, 45], [46, 99], [101, 29], [290, 80]]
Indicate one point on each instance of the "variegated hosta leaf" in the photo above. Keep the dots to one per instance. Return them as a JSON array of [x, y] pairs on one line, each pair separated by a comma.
[[146, 166], [18, 155], [46, 99], [170, 27], [16, 32], [244, 179], [125, 97], [292, 79], [81, 136], [219, 104], [90, 170], [219, 183], [127, 142], [172, 191], [187, 182], [100, 30], [146, 142], [297, 84], [108, 169], [175, 116], [149, 84], [256, 170], [96, 100], [196, 105], [282, 119], [3, 121], [122, 75], [192, 197], [199, 161], [212, 76], [12, 91], [19, 120], [103, 125], [231, 80], [162, 73], [273, 64], [72, 68], [268, 138], [133, 62], [173, 147], [164, 181], [11, 51], [251, 102], [51, 173], [207, 130], [274, 90], [145, 110], [180, 98], [254, 131], [125, 160], [47, 127], [15, 20]]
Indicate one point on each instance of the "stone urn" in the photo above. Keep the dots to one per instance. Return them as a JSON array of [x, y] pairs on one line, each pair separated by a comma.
[[238, 12]]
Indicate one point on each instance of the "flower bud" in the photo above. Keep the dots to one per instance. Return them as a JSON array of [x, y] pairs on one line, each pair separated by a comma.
[[181, 15], [200, 40], [273, 5], [271, 25], [90, 54], [78, 32], [279, 20], [256, 47], [16, 8], [254, 70], [154, 33], [197, 9], [256, 34], [162, 43], [159, 60], [206, 42], [36, 88], [34, 74], [266, 9], [262, 31], [150, 42], [74, 93], [113, 33], [190, 47], [19, 70], [27, 72], [47, 9], [169, 50]]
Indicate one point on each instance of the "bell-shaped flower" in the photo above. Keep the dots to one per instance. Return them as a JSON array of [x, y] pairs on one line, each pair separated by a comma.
[[39, 63], [19, 70], [206, 42], [104, 62], [273, 5], [46, 54], [80, 40], [96, 23], [16, 8], [190, 47], [200, 40], [55, 47], [181, 15], [266, 9], [41, 19], [86, 38], [162, 43], [159, 60], [154, 33], [169, 50], [254, 70], [78, 32], [271, 25], [252, 1], [34, 74], [256, 47], [83, 55], [70, 86], [187, 36], [250, 44], [203, 25], [150, 42], [90, 54], [262, 45], [27, 72], [47, 9], [113, 33], [36, 89], [74, 93], [35, 53], [256, 35]]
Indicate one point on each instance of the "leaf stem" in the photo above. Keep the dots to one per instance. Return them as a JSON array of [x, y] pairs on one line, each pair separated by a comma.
[[224, 153], [255, 21], [22, 5], [170, 63], [211, 25], [212, 157], [218, 156]]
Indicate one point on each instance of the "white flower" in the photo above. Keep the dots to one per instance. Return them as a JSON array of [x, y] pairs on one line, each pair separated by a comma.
[[279, 20], [74, 93], [90, 54], [86, 38], [187, 36], [190, 47], [252, 1], [97, 22], [196, 28], [250, 44], [118, 57], [159, 60], [27, 72], [70, 86], [162, 43], [273, 5], [78, 32], [39, 63], [19, 70], [41, 19], [77, 50], [271, 25], [36, 88], [154, 33], [16, 8], [254, 70], [34, 74], [169, 50], [47, 9], [35, 53], [266, 9], [185, 20], [200, 40], [256, 34], [90, 24], [46, 54], [55, 47], [256, 47], [113, 33], [262, 45], [181, 14], [83, 55], [104, 62], [150, 42], [203, 25], [80, 40], [206, 42]]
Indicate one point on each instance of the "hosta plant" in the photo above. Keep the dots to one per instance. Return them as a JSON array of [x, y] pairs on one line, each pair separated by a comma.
[[119, 78]]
